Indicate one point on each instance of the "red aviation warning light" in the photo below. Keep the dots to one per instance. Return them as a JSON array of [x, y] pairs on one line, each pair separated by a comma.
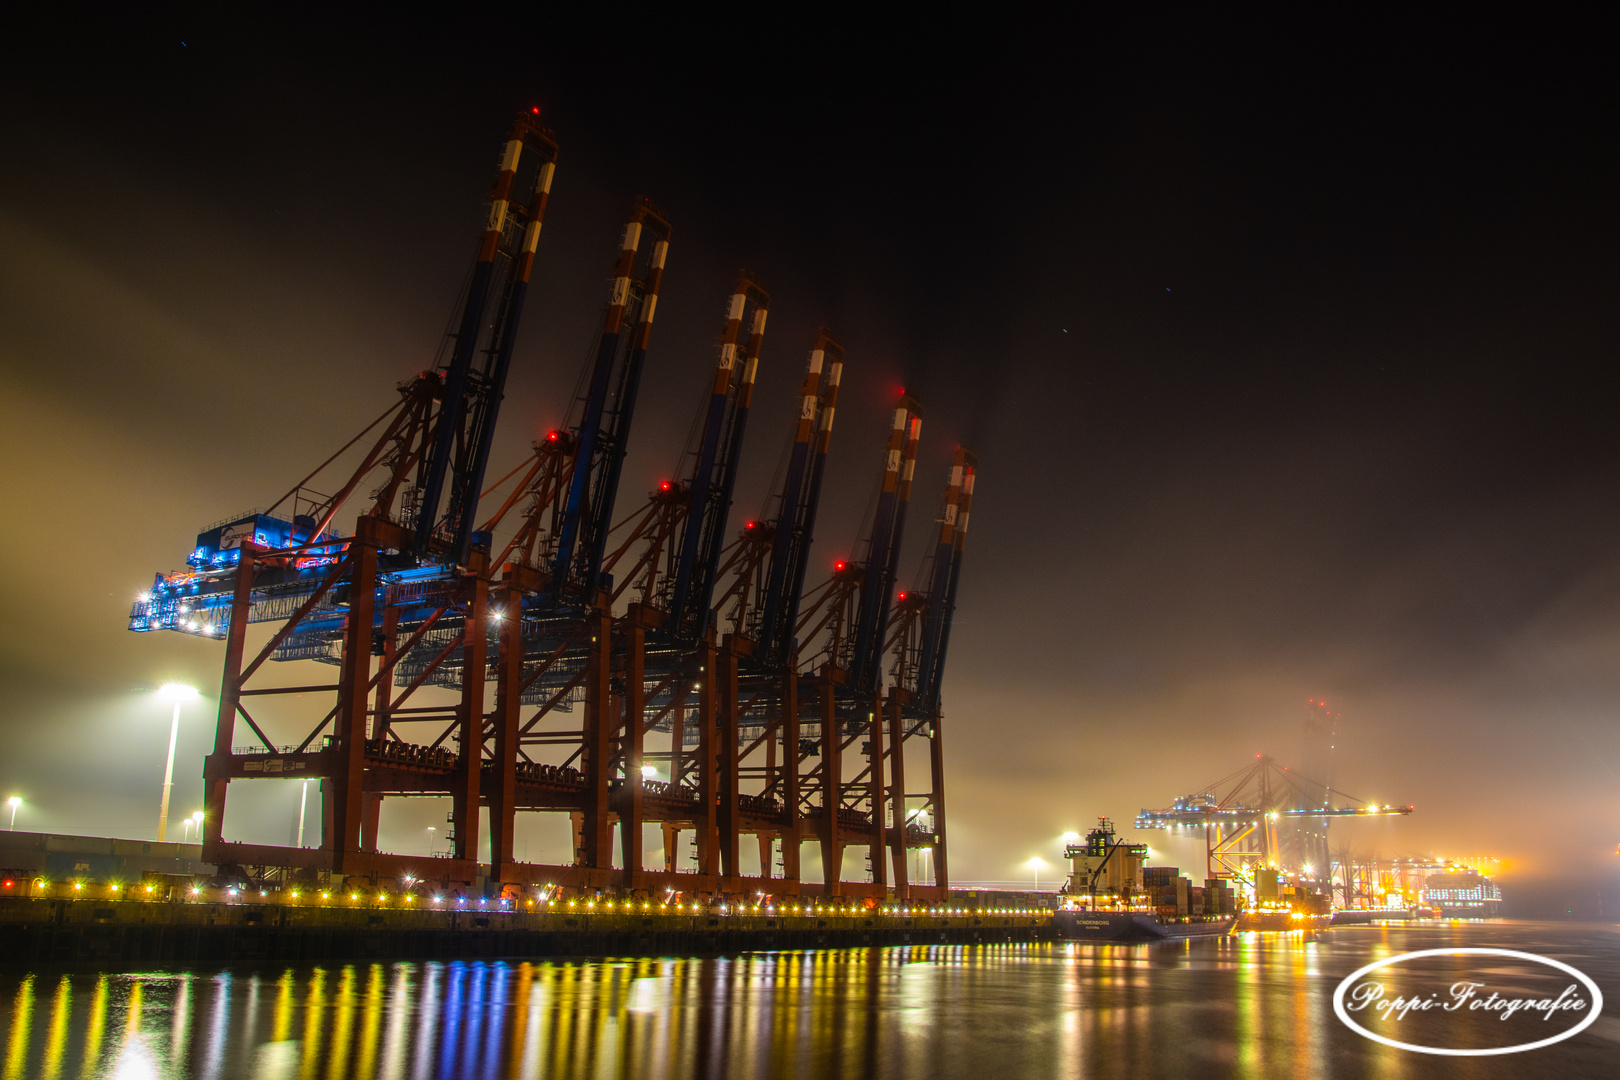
[[839, 565], [663, 485], [551, 436]]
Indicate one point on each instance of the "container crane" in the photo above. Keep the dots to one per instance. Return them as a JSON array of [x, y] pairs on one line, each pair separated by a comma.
[[1241, 815], [420, 595], [404, 563], [674, 615], [764, 572], [918, 635], [837, 634]]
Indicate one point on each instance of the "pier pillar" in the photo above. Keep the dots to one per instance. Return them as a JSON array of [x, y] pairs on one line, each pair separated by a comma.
[[347, 781], [597, 842], [726, 727], [764, 840], [897, 792], [507, 720], [677, 735], [634, 738], [936, 762], [708, 822], [370, 821], [791, 758], [382, 712], [832, 786], [878, 833], [381, 721], [217, 767], [467, 781]]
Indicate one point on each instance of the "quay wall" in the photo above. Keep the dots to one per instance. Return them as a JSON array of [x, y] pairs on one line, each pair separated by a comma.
[[55, 929]]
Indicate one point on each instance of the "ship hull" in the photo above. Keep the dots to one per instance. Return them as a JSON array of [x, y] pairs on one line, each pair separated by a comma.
[[1130, 926], [1281, 921], [1363, 917]]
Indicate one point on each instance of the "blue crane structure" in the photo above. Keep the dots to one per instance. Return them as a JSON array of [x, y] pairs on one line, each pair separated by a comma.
[[528, 673]]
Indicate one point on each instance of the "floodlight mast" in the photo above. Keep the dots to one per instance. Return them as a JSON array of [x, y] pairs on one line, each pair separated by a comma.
[[179, 693]]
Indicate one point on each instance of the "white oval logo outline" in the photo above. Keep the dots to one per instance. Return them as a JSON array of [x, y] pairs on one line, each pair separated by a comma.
[[1349, 980]]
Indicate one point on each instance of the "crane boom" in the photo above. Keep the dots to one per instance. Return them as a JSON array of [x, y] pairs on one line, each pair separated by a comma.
[[801, 492], [715, 474], [883, 552], [947, 572], [470, 398], [610, 403], [1159, 819]]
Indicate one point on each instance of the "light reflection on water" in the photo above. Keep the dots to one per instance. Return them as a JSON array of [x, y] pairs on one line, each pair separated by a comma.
[[1247, 1006]]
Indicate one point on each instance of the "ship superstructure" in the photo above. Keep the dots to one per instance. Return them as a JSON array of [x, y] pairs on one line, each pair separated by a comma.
[[1105, 870]]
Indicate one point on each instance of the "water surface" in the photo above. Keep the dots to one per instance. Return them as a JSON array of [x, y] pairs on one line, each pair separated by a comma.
[[1246, 1006]]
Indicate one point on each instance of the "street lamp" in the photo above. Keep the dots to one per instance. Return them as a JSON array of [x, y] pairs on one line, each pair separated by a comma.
[[1035, 865], [431, 831], [14, 802], [303, 801], [196, 823], [179, 693]]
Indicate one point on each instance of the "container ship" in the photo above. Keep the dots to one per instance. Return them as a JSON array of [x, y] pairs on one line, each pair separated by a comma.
[[1461, 893], [1283, 902], [1111, 896]]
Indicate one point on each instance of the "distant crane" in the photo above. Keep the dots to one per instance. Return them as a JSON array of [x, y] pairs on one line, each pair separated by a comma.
[[1241, 813]]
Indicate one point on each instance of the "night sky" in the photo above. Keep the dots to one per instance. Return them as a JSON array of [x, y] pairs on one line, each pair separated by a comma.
[[1286, 351]]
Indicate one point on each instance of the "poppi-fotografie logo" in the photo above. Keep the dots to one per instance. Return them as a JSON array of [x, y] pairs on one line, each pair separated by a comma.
[[1411, 1000]]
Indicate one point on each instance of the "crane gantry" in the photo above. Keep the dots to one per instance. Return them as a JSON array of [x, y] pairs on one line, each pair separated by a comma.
[[561, 669]]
